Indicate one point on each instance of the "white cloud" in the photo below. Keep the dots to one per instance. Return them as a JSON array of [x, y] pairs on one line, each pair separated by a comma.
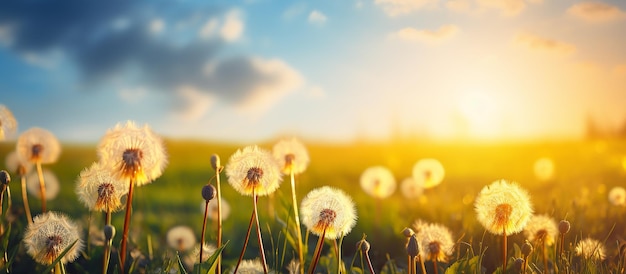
[[262, 96], [402, 7], [596, 12], [233, 26], [194, 103], [506, 7], [132, 94], [316, 17], [157, 26], [209, 28], [459, 5], [549, 45], [444, 32]]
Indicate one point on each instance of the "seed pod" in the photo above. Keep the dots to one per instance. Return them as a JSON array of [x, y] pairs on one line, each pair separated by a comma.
[[208, 192], [408, 232], [109, 232], [5, 178], [363, 245], [527, 248], [215, 162], [412, 248], [564, 226]]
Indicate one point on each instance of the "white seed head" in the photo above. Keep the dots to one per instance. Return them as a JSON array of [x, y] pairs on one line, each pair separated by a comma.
[[503, 206], [17, 165], [49, 235], [617, 196], [253, 169], [329, 209], [99, 190], [378, 182], [541, 228], [51, 183], [589, 248], [428, 172], [38, 145], [181, 238], [291, 155], [8, 124]]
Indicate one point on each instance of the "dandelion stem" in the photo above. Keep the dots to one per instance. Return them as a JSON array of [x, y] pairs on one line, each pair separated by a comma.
[[419, 257], [129, 204], [410, 264], [258, 231], [318, 252], [297, 220], [545, 257], [42, 187], [504, 246], [206, 213], [435, 265], [339, 261], [218, 269], [107, 244], [25, 200], [369, 262], [245, 243]]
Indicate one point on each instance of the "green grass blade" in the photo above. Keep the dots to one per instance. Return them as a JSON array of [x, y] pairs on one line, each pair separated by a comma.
[[58, 259]]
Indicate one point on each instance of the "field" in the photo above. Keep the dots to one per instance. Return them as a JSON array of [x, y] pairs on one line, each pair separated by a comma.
[[585, 171]]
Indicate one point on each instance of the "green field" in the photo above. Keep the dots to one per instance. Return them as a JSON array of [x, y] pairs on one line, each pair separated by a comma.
[[585, 172]]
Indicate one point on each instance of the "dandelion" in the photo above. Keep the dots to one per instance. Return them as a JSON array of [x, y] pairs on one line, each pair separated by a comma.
[[617, 196], [436, 242], [544, 169], [250, 267], [49, 235], [193, 257], [293, 267], [293, 158], [51, 183], [19, 166], [363, 247], [328, 213], [253, 172], [8, 124], [134, 154], [503, 208], [213, 210], [541, 229], [411, 189], [589, 248], [428, 172], [564, 227], [208, 193], [181, 238], [378, 182], [217, 211], [39, 146], [99, 190]]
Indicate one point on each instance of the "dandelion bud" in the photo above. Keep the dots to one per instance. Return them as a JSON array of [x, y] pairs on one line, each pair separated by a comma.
[[5, 178], [208, 192], [527, 248], [363, 245], [412, 248], [215, 162], [518, 264], [109, 232], [408, 232], [564, 226]]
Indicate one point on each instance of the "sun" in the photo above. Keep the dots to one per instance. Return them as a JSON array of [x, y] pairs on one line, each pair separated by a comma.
[[479, 115]]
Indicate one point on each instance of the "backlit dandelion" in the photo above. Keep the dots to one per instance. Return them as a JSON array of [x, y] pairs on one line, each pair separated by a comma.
[[51, 184], [99, 190], [293, 158], [328, 213], [589, 248], [378, 182], [503, 208], [39, 146], [20, 166], [133, 154], [193, 257], [8, 124], [249, 267], [617, 196], [181, 238], [428, 172], [49, 235], [541, 230], [411, 189], [254, 172], [543, 169], [213, 210], [435, 241]]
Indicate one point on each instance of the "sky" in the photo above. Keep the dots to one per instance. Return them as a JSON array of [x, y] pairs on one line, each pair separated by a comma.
[[247, 71]]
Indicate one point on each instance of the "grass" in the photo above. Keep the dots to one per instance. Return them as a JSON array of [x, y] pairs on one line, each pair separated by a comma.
[[585, 172]]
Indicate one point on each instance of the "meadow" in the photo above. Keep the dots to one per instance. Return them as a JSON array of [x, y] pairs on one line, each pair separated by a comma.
[[585, 171]]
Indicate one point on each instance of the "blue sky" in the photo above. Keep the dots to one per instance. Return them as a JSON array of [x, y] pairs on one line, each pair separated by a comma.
[[249, 71]]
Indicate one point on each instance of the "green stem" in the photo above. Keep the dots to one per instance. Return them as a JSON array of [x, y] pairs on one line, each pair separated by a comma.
[[218, 269], [318, 252], [129, 204], [25, 201], [42, 187], [258, 230], [297, 219]]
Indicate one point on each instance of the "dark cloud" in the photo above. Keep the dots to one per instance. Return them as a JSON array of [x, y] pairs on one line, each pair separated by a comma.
[[108, 39]]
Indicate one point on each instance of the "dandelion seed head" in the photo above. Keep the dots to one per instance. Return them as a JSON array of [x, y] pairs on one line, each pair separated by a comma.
[[503, 206], [378, 182], [541, 228], [51, 183], [291, 155], [207, 252], [589, 248], [99, 190], [253, 169], [17, 165], [329, 209], [250, 267], [8, 124], [181, 238], [617, 196], [49, 235], [38, 145], [133, 153], [213, 209], [428, 172], [411, 189], [435, 242], [293, 267]]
